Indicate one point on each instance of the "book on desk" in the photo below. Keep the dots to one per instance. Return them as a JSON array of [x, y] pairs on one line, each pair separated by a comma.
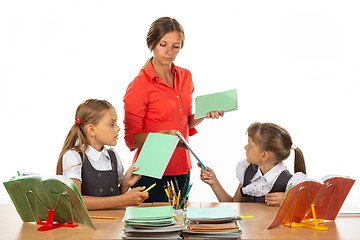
[[161, 222], [217, 222], [52, 202], [311, 201]]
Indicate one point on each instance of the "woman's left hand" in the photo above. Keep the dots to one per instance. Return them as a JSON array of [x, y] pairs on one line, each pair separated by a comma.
[[215, 114]]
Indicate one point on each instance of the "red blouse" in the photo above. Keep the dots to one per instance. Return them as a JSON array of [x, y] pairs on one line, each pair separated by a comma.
[[152, 105]]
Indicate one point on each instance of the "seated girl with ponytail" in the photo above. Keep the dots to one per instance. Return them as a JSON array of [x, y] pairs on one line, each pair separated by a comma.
[[97, 171], [263, 176]]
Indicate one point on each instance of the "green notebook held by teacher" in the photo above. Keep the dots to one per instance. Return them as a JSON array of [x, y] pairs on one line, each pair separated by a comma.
[[226, 101]]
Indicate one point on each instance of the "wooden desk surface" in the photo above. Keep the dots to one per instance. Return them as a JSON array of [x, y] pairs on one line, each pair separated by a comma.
[[12, 227]]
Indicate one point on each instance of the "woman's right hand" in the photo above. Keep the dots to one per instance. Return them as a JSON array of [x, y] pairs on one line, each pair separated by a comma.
[[169, 131], [173, 132], [135, 196], [207, 176]]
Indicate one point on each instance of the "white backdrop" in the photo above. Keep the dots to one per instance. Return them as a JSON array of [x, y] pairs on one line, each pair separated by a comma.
[[295, 63]]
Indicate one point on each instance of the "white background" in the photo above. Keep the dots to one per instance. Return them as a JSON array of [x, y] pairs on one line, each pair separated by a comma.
[[295, 63]]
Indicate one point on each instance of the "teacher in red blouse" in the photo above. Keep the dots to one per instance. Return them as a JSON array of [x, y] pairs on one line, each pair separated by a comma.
[[159, 100]]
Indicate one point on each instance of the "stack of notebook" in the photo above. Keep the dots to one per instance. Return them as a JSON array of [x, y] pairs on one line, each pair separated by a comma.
[[153, 223], [217, 223]]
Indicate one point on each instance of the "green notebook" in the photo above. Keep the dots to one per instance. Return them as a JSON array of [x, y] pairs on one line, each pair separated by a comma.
[[215, 213], [44, 196], [147, 213], [155, 154], [226, 101]]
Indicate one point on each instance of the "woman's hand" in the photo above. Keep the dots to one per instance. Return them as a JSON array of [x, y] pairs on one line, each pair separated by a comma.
[[207, 176], [274, 199], [169, 131], [215, 114], [139, 138], [173, 132]]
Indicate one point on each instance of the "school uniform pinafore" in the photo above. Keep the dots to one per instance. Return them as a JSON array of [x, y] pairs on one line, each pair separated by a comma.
[[279, 185], [99, 183]]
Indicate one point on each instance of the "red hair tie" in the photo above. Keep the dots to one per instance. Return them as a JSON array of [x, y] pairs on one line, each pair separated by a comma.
[[78, 122]]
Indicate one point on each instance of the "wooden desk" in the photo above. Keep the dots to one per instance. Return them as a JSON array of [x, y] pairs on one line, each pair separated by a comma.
[[12, 227]]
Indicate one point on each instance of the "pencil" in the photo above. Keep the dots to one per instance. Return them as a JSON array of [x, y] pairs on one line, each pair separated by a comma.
[[149, 187], [185, 196], [172, 187], [166, 191], [169, 189], [177, 202], [186, 203], [246, 216], [176, 185], [183, 190], [167, 194], [174, 201], [102, 217]]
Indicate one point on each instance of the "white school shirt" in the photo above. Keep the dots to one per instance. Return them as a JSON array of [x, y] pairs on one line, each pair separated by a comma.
[[262, 184], [72, 163]]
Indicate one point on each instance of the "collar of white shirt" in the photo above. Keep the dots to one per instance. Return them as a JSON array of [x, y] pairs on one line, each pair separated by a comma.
[[271, 175], [95, 155]]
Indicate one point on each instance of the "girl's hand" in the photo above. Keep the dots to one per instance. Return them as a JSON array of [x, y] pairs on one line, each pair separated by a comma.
[[130, 178], [208, 176], [134, 196], [215, 114], [274, 199]]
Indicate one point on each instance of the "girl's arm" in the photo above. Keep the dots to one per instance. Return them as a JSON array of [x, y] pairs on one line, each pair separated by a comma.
[[274, 199], [129, 179], [131, 198], [208, 176]]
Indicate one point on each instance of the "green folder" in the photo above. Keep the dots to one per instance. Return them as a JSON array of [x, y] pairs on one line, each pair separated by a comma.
[[147, 213], [44, 195], [155, 154], [226, 101]]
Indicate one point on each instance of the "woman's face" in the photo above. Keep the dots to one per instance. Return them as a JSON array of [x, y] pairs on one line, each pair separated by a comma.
[[168, 48]]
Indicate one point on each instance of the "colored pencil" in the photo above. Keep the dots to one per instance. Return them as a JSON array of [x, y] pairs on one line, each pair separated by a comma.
[[149, 187]]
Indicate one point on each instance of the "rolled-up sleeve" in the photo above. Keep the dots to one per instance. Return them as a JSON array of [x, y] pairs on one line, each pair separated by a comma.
[[135, 109], [192, 131]]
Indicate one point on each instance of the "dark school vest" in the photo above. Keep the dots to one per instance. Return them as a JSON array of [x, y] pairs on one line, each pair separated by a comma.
[[279, 185], [99, 183]]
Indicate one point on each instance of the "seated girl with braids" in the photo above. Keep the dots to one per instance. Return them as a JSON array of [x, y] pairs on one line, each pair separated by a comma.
[[263, 176]]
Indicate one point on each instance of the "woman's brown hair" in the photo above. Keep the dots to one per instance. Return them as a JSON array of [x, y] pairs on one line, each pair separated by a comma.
[[158, 29], [88, 112], [274, 138]]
